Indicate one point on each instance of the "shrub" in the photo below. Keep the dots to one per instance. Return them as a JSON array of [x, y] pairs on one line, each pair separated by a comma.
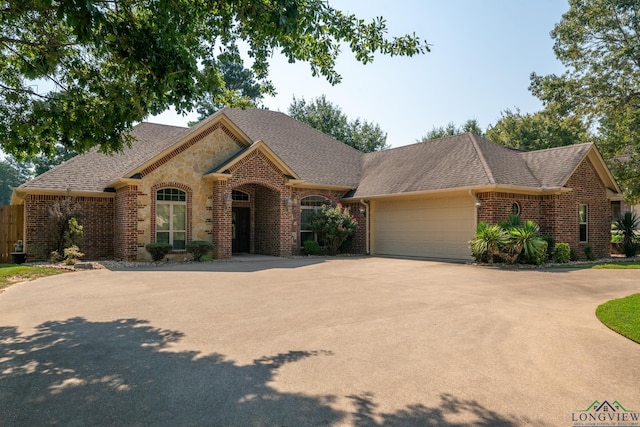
[[510, 240], [573, 254], [588, 253], [311, 247], [334, 225], [158, 250], [617, 238], [562, 253], [489, 241], [630, 249], [550, 243], [627, 226], [199, 248], [72, 254]]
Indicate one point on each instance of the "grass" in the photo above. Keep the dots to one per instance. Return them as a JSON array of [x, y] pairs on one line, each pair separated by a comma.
[[621, 315], [622, 265], [11, 273]]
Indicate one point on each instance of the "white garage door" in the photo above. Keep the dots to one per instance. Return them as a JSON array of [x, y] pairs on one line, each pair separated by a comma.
[[425, 227]]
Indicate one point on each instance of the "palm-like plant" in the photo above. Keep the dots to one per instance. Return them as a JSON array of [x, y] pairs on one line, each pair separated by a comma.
[[526, 239], [489, 241], [628, 225]]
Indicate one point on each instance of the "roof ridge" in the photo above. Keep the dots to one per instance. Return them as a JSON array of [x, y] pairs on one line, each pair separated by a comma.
[[483, 160], [562, 147], [161, 124]]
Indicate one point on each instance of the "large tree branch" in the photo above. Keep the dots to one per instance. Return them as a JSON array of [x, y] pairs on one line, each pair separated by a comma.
[[22, 90]]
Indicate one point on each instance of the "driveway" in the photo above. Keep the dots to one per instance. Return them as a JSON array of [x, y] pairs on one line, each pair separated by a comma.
[[313, 342]]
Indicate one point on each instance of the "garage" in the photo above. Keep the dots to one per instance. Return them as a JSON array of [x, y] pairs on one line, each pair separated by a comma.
[[432, 227]]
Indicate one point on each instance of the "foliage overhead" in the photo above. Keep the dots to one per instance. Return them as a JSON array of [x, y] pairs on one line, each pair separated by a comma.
[[328, 118], [537, 131], [598, 41], [82, 73], [451, 129]]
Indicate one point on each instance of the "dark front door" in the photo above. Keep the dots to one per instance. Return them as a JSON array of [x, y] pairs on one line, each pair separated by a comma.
[[240, 218]]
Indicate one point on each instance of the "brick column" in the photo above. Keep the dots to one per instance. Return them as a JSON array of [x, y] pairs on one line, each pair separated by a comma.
[[221, 220], [126, 223]]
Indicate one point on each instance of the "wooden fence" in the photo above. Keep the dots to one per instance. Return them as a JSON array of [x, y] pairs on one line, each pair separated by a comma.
[[11, 229]]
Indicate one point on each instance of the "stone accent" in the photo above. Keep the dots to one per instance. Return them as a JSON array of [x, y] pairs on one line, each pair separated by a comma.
[[184, 169]]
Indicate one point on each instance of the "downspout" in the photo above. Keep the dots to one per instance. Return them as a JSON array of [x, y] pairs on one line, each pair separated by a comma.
[[472, 193], [366, 221]]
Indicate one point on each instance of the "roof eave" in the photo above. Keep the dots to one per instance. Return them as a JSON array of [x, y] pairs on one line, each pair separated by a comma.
[[20, 194], [300, 183], [473, 189], [195, 132], [123, 182]]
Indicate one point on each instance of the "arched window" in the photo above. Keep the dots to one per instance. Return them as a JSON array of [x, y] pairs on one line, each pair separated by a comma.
[[309, 206], [171, 217], [239, 196], [515, 208]]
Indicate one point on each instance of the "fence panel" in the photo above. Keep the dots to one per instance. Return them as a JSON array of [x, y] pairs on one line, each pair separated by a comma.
[[11, 229]]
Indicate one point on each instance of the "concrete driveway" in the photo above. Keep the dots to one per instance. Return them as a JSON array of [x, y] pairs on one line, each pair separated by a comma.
[[312, 342]]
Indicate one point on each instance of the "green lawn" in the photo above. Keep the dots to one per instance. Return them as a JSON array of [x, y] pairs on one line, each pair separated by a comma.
[[609, 265], [622, 315], [11, 273]]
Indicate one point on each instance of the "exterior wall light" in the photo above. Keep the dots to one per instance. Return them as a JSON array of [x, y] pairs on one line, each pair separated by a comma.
[[478, 205], [228, 201]]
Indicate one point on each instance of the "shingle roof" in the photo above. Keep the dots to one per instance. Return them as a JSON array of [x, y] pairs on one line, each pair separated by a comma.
[[464, 161], [93, 171], [316, 157], [460, 161], [554, 166]]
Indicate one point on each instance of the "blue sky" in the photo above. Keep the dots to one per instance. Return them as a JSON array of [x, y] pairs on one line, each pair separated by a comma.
[[482, 54]]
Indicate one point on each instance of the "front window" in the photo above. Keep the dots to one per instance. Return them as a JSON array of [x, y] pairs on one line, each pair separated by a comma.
[[309, 206], [584, 217], [171, 217]]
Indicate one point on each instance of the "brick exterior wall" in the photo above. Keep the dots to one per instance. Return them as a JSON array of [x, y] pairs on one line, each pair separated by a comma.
[[95, 214], [126, 225], [558, 214]]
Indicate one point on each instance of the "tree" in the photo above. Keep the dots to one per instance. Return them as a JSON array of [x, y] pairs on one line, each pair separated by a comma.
[[598, 41], [451, 129], [328, 118], [82, 73], [241, 89], [9, 179], [537, 131], [41, 163]]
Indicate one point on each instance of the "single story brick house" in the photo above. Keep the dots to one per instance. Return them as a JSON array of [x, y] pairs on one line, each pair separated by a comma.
[[247, 180]]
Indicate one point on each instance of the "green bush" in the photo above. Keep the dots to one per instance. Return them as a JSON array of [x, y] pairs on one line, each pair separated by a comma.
[[550, 243], [537, 257], [512, 241], [617, 238], [199, 248], [588, 253], [158, 250], [311, 247], [334, 225], [562, 253]]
